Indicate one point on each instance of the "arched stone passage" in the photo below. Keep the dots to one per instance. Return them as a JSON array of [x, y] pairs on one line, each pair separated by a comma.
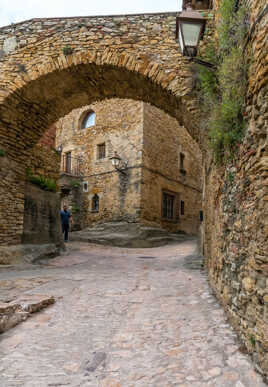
[[40, 95]]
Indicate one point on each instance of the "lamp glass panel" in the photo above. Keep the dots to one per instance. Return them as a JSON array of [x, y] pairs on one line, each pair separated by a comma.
[[181, 42], [191, 33], [115, 161]]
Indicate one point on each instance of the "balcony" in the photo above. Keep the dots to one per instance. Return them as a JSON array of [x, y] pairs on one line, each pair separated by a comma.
[[70, 165]]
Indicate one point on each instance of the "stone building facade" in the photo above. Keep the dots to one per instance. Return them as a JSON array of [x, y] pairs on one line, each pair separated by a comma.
[[161, 182]]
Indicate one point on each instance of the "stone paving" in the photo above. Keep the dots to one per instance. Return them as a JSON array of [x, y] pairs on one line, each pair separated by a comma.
[[122, 318]]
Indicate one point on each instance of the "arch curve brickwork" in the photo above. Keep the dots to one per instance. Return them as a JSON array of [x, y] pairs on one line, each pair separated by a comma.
[[51, 66]]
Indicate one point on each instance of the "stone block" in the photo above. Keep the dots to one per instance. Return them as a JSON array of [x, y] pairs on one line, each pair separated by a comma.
[[14, 312]]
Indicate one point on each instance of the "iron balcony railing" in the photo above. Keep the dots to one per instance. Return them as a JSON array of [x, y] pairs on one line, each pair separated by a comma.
[[71, 165]]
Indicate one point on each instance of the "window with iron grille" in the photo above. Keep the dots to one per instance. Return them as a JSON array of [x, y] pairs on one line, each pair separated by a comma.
[[101, 151], [68, 162], [168, 203], [95, 203]]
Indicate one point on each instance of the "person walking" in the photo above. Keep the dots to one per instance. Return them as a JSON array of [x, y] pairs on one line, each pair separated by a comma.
[[66, 217]]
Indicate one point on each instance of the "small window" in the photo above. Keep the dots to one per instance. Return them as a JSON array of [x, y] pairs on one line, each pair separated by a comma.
[[88, 120], [68, 162], [182, 157], [168, 202], [85, 186], [95, 203], [101, 151], [201, 216], [182, 207]]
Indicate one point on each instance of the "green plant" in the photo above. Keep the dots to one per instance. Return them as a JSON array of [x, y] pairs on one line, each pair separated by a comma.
[[67, 50], [252, 340], [2, 153], [29, 172], [75, 209], [222, 92], [75, 183], [230, 177], [43, 182]]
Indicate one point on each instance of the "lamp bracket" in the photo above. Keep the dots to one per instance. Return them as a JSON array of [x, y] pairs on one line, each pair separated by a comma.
[[203, 63]]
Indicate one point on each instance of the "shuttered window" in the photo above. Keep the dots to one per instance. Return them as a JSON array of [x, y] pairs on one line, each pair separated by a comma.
[[101, 151]]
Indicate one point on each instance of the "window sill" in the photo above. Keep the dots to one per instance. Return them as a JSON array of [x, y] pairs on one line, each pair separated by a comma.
[[101, 160], [94, 211], [170, 220]]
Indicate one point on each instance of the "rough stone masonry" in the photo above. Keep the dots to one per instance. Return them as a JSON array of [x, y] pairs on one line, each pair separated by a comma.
[[133, 57], [137, 57]]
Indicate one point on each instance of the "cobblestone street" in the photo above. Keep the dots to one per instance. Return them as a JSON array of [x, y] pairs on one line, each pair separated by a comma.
[[122, 318]]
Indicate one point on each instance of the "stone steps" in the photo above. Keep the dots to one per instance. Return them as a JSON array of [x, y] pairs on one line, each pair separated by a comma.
[[125, 234]]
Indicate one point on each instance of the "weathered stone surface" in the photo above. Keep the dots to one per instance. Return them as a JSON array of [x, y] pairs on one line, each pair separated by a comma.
[[19, 254], [124, 63], [127, 64], [164, 143], [10, 44], [41, 223], [125, 234], [236, 211], [14, 312], [121, 320], [151, 142], [44, 159]]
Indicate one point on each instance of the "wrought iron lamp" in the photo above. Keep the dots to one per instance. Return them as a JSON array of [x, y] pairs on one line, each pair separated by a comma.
[[190, 27], [118, 163]]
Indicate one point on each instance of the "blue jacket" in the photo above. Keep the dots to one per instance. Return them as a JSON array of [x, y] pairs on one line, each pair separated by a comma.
[[65, 216]]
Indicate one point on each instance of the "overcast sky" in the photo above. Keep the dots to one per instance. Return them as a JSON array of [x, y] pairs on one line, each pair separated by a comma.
[[14, 11]]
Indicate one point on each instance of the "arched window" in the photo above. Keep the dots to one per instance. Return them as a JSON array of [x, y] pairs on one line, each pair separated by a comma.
[[88, 120], [95, 203]]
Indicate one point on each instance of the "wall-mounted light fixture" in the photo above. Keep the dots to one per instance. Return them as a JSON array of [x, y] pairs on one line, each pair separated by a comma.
[[59, 148], [118, 163], [190, 27]]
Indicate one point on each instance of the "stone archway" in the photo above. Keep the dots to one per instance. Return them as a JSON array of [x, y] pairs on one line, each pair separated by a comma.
[[41, 94]]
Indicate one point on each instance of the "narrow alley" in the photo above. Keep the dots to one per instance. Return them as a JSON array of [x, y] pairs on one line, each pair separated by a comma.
[[122, 318]]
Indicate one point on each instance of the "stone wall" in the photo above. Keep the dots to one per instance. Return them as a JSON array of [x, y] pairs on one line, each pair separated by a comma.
[[41, 217], [41, 208], [44, 159], [236, 211], [119, 126], [11, 201], [164, 143]]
